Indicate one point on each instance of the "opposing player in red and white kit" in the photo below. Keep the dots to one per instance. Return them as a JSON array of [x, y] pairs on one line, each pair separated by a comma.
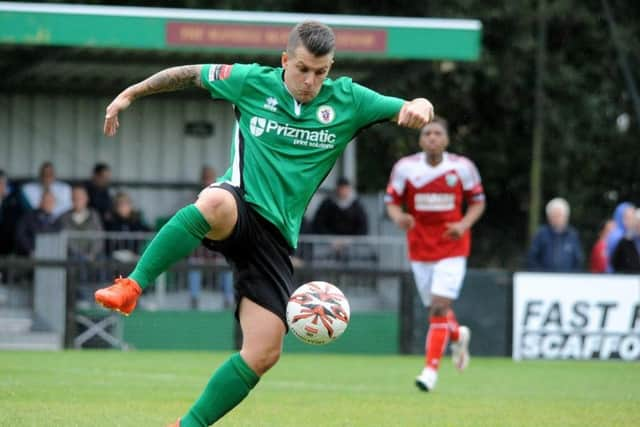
[[434, 186]]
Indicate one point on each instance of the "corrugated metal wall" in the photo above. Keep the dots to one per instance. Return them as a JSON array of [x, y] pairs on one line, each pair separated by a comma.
[[151, 144]]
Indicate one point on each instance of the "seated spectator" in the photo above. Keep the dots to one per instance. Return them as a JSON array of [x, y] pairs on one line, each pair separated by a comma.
[[82, 218], [341, 213], [35, 222], [622, 217], [624, 256], [61, 191], [124, 218], [598, 258], [556, 246], [13, 206], [98, 190]]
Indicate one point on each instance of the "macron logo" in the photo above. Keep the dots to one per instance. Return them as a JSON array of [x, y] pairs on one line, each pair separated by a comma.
[[257, 125]]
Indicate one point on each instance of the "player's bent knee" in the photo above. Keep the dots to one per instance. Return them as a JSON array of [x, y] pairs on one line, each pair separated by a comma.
[[218, 206], [261, 361]]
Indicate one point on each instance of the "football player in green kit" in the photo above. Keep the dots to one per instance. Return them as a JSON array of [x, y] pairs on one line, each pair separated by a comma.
[[292, 124]]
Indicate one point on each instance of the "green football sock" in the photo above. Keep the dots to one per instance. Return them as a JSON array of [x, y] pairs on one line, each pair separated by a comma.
[[228, 386], [175, 240]]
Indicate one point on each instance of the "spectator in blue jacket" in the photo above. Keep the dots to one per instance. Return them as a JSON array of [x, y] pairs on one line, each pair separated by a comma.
[[623, 218], [556, 246]]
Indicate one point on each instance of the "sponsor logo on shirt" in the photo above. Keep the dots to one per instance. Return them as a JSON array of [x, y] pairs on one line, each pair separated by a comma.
[[271, 104], [303, 137], [257, 125], [325, 114], [435, 202], [219, 72]]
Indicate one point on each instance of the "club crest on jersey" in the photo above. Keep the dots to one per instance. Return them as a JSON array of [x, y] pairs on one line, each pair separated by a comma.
[[325, 114], [451, 179], [271, 104]]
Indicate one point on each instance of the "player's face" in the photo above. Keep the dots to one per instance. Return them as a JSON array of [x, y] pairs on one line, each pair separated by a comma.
[[434, 139], [305, 72]]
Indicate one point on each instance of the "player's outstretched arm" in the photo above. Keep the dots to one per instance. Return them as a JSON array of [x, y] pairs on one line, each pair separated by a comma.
[[168, 80], [415, 113]]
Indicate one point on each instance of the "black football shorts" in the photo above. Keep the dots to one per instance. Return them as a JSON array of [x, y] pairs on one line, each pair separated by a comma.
[[259, 256]]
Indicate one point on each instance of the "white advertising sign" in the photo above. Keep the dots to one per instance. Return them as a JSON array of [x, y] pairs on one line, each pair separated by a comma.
[[576, 316]]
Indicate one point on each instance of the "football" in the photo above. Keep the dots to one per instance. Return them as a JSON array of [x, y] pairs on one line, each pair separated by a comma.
[[318, 313]]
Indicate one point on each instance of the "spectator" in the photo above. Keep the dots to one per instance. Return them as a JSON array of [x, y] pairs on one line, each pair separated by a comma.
[[341, 213], [622, 215], [41, 220], [61, 191], [556, 246], [13, 206], [82, 218], [124, 218], [598, 258], [624, 256], [98, 190]]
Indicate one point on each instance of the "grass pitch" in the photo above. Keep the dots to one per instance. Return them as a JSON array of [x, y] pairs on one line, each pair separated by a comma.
[[108, 388]]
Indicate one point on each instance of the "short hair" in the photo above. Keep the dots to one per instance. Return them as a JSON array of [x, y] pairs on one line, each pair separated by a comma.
[[439, 121], [316, 37], [100, 167], [3, 174], [558, 202]]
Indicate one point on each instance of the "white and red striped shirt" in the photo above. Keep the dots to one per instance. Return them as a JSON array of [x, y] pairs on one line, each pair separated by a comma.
[[434, 195]]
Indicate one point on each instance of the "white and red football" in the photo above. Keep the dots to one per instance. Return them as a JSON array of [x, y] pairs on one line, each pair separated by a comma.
[[318, 312]]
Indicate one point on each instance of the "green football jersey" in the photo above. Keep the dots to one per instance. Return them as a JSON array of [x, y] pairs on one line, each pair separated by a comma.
[[283, 150]]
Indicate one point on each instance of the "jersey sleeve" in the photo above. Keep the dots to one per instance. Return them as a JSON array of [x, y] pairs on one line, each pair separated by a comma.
[[372, 107], [395, 188], [471, 182], [224, 81]]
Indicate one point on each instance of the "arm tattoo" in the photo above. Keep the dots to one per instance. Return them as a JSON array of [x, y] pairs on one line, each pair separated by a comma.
[[168, 80]]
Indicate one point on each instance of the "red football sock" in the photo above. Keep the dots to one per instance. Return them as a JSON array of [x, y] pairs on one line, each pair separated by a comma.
[[453, 325], [436, 342]]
